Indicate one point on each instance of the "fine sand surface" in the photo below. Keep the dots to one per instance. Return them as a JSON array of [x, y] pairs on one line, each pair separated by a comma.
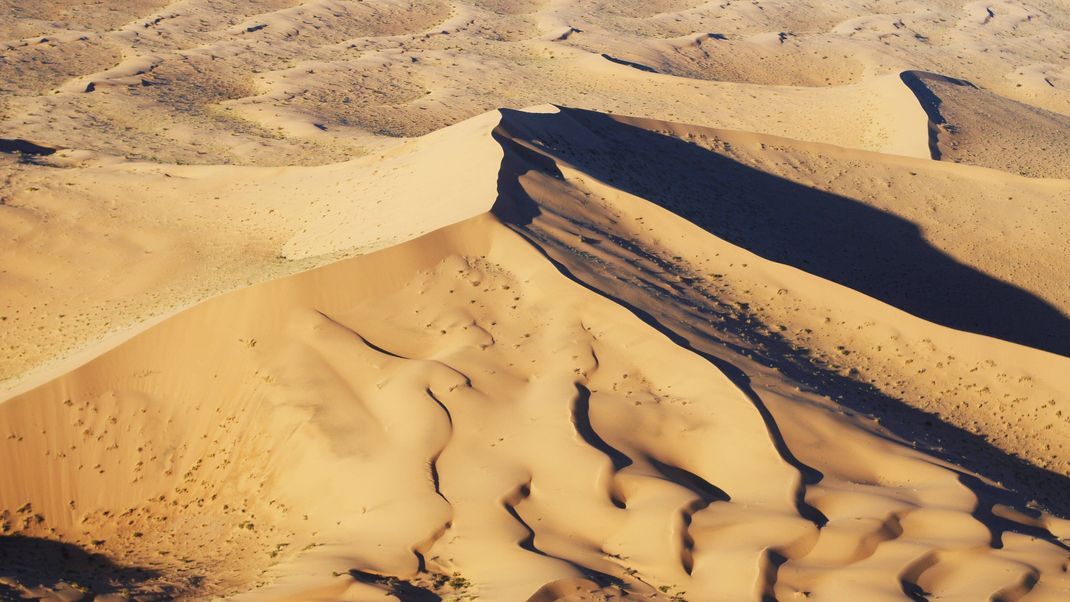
[[754, 301]]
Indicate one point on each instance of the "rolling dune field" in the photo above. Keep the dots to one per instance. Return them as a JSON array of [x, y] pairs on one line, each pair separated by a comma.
[[534, 300]]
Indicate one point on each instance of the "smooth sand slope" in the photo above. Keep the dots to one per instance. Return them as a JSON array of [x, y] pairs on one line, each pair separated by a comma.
[[565, 397], [95, 250]]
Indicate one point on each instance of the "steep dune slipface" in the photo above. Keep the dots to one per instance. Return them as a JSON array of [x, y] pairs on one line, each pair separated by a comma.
[[968, 124], [555, 400], [285, 314], [864, 354]]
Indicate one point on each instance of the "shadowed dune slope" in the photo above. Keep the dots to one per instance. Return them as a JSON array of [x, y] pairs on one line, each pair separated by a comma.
[[970, 125], [575, 395], [837, 238], [762, 300]]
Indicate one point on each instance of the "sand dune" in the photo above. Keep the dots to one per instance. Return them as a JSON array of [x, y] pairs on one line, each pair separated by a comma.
[[282, 82], [556, 398], [792, 316], [971, 125], [206, 230], [753, 301]]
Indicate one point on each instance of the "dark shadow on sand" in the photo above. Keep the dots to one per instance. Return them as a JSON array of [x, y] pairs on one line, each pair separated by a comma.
[[834, 237], [35, 562], [753, 216]]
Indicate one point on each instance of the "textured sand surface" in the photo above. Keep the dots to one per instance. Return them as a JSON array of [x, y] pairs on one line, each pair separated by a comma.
[[753, 301]]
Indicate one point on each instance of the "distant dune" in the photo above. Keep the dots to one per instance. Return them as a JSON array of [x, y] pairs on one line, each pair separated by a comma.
[[750, 302], [287, 82], [972, 125]]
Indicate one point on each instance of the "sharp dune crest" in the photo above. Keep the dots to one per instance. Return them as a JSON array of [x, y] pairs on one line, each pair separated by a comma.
[[555, 398], [207, 230], [761, 300], [968, 124]]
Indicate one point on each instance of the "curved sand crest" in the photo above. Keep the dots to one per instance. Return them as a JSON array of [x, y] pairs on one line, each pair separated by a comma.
[[929, 241], [546, 401], [170, 235], [968, 124], [167, 236]]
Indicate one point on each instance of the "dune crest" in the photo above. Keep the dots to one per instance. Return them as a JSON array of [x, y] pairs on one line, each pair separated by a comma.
[[762, 300], [573, 394]]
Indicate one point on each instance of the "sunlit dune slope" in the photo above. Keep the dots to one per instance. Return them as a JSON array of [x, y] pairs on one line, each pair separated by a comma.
[[94, 250], [576, 394], [761, 300]]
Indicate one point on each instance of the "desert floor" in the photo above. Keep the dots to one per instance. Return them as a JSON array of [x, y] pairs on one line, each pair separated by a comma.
[[534, 300]]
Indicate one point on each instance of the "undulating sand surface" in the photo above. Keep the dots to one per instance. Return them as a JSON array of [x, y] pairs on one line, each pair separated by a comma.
[[534, 300]]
